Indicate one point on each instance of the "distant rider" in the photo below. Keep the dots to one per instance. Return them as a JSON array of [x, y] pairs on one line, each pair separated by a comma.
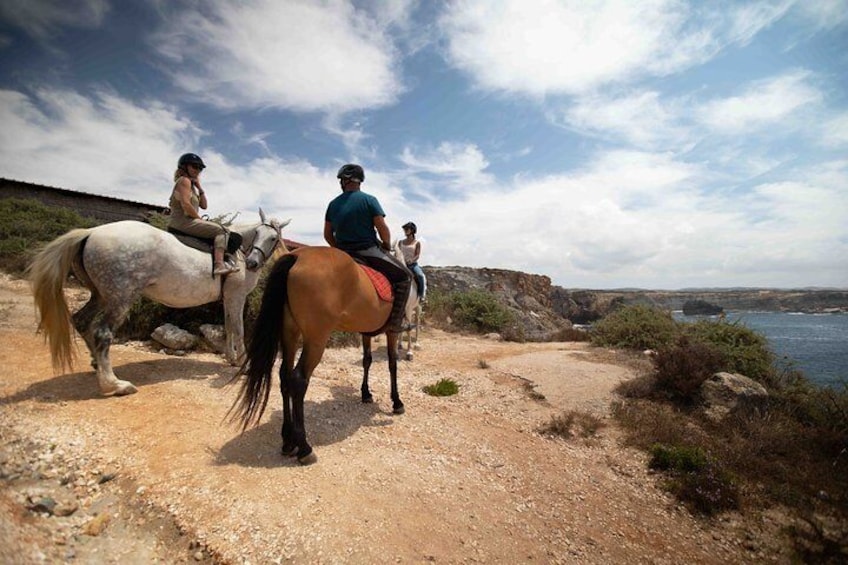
[[411, 249]]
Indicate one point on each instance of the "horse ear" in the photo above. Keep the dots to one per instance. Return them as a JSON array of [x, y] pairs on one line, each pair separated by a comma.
[[261, 216], [284, 224]]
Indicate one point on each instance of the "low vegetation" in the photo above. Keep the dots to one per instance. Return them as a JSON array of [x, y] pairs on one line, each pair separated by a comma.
[[572, 424], [474, 310], [791, 452], [443, 387], [26, 225]]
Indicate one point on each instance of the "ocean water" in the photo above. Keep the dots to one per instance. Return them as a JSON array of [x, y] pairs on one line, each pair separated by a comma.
[[816, 344]]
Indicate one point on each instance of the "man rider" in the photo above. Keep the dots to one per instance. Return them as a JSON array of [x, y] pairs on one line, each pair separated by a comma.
[[356, 223]]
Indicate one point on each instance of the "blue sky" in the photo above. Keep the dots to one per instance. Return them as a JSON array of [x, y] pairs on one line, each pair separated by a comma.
[[655, 144]]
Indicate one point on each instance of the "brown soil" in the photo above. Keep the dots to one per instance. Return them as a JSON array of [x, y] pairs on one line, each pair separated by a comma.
[[159, 476]]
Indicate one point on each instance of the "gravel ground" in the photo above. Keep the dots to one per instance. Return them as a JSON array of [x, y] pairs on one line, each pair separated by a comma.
[[160, 476]]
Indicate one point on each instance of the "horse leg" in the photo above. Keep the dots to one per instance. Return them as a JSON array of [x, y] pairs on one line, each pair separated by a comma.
[[82, 320], [289, 348], [95, 327], [287, 432], [234, 322], [310, 356], [367, 398], [391, 345]]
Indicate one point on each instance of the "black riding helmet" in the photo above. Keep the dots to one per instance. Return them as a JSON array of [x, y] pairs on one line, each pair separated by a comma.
[[190, 159], [351, 171], [412, 227]]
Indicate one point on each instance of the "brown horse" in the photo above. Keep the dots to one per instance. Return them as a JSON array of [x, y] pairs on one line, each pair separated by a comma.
[[308, 294]]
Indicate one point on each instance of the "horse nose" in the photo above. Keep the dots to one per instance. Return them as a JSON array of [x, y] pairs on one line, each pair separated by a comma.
[[252, 264]]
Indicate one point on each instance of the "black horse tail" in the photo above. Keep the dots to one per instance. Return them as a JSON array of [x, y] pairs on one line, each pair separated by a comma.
[[263, 346]]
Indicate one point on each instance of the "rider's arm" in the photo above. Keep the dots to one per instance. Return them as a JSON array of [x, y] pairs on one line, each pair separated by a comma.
[[328, 234], [383, 232], [201, 194], [183, 190], [417, 252]]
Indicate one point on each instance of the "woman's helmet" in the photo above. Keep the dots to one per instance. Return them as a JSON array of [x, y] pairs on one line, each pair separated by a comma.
[[190, 159], [351, 171], [411, 226]]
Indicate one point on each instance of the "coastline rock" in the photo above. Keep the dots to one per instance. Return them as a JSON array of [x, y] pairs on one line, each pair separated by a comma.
[[724, 393]]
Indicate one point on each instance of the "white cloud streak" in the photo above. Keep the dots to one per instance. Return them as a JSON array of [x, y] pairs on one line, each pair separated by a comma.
[[298, 55]]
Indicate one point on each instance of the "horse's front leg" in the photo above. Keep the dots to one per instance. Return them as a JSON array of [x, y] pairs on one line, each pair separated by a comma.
[[234, 326], [367, 398], [391, 345]]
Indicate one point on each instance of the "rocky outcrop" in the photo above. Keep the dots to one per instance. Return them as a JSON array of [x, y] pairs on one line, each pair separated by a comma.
[[701, 308], [543, 307], [724, 393], [528, 297]]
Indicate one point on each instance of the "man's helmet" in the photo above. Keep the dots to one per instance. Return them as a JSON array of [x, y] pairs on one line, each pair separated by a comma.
[[411, 226], [351, 171], [190, 159]]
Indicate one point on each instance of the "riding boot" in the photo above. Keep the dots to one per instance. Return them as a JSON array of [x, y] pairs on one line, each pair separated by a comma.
[[395, 323]]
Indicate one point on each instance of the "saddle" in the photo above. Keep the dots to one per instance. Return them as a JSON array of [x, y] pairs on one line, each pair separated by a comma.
[[380, 282], [203, 244]]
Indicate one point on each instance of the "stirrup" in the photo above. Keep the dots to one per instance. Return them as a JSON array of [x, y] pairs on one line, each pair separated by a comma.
[[225, 269]]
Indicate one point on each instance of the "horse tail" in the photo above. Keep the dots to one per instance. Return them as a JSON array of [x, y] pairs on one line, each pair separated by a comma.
[[263, 346], [47, 273]]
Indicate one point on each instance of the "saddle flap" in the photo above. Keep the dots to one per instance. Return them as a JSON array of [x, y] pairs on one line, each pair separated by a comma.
[[198, 243], [380, 282]]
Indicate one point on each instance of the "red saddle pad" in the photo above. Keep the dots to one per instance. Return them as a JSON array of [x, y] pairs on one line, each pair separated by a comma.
[[380, 282]]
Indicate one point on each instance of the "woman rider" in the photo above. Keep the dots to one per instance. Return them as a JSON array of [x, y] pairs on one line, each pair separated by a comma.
[[187, 198]]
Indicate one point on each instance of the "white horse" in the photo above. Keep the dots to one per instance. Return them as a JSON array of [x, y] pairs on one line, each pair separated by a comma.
[[120, 261], [413, 315]]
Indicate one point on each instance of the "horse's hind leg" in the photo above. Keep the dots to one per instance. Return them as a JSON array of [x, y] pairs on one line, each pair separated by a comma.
[[82, 320], [391, 346], [367, 398], [95, 327]]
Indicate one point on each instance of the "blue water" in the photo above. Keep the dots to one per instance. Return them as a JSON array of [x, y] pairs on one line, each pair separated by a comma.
[[816, 344]]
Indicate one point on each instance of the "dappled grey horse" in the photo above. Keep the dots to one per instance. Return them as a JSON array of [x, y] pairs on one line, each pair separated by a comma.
[[120, 261]]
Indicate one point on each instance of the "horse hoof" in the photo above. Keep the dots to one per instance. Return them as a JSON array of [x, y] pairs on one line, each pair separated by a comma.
[[123, 388], [288, 451], [368, 399], [308, 459], [409, 356], [399, 410]]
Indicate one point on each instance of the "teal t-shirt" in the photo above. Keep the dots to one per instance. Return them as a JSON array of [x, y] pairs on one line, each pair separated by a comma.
[[351, 214]]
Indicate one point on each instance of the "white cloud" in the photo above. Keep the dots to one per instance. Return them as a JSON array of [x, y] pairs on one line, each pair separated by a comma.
[[764, 103], [43, 18], [641, 118], [548, 47], [835, 131], [103, 144], [297, 55]]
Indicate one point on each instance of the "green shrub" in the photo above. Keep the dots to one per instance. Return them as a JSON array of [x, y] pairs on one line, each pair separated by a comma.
[[474, 310], [444, 387], [635, 327], [745, 350], [680, 369], [26, 225], [696, 479]]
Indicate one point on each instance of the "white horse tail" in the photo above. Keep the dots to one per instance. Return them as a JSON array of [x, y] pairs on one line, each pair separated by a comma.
[[47, 274]]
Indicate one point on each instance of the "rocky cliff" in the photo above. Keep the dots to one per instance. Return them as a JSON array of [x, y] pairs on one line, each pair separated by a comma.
[[544, 308]]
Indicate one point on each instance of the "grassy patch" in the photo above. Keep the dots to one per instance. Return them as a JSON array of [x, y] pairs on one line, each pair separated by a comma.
[[444, 387], [572, 424]]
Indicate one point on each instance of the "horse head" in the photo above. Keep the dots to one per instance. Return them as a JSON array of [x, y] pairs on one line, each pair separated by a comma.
[[266, 236]]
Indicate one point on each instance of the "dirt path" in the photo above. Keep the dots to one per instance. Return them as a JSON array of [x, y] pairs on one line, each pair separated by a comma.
[[459, 479]]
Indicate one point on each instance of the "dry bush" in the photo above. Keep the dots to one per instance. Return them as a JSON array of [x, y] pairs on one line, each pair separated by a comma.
[[572, 423]]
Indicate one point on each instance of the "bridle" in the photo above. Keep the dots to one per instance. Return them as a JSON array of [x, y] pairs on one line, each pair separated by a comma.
[[254, 247]]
